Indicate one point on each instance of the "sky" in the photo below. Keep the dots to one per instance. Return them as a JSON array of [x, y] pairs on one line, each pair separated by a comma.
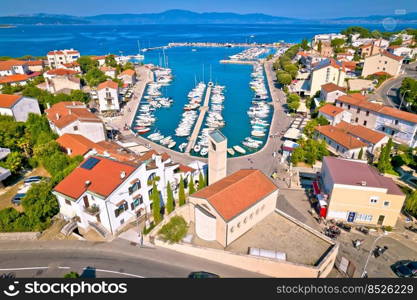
[[285, 8]]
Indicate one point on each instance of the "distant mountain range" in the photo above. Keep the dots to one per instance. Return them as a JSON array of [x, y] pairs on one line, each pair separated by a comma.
[[189, 17]]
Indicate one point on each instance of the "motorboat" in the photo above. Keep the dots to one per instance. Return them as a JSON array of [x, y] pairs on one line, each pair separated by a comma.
[[231, 151], [197, 148], [239, 149]]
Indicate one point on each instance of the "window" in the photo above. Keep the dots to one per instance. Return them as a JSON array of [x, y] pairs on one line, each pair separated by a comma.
[[363, 218], [238, 225], [75, 128], [386, 203], [341, 104], [67, 202], [356, 120], [122, 221], [348, 106], [364, 123], [134, 187], [383, 128], [396, 122], [374, 200], [358, 110], [121, 209], [232, 229], [245, 220], [367, 113]]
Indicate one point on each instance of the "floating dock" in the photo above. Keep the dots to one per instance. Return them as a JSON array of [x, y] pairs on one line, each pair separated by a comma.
[[239, 62], [197, 127]]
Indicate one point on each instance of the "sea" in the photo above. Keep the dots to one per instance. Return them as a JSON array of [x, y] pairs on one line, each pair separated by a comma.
[[188, 66]]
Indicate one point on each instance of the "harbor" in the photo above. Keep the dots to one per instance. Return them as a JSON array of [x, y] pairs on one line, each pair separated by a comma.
[[213, 44]]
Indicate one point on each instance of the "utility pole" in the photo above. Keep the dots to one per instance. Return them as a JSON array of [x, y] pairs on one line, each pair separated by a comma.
[[364, 273]]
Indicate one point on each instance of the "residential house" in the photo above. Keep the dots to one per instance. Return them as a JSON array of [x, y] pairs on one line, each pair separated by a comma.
[[100, 59], [74, 117], [334, 114], [108, 71], [74, 66], [398, 124], [59, 72], [330, 92], [407, 39], [57, 58], [402, 51], [369, 49], [382, 62], [35, 65], [128, 76], [108, 96], [13, 67], [18, 106], [358, 194], [327, 71], [105, 194], [18, 79], [327, 37], [230, 207], [326, 49], [62, 81]]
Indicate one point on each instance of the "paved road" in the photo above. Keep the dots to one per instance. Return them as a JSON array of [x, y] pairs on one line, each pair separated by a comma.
[[389, 91], [115, 259]]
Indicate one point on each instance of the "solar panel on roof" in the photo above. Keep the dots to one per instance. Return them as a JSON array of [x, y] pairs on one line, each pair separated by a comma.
[[90, 163]]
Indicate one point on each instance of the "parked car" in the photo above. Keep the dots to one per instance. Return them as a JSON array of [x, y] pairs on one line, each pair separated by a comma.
[[405, 268], [33, 179], [17, 199], [202, 274]]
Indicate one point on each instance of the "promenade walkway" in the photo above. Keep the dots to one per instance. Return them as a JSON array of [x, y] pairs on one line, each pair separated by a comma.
[[197, 126]]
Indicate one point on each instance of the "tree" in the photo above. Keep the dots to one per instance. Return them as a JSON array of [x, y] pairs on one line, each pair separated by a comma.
[[297, 155], [360, 154], [170, 199], [291, 69], [110, 61], [156, 205], [411, 203], [94, 77], [14, 162], [181, 193], [304, 44], [191, 187], [86, 63], [337, 45], [284, 78], [201, 181], [319, 46], [384, 161], [175, 230], [294, 105], [72, 275]]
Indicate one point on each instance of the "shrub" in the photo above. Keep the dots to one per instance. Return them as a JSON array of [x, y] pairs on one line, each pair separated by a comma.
[[175, 230]]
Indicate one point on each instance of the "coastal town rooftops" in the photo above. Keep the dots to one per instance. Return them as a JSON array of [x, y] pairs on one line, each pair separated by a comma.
[[237, 192], [331, 110], [7, 101], [362, 132], [96, 174], [340, 137], [14, 78], [108, 84], [8, 64], [128, 72], [331, 87], [62, 52], [389, 55], [64, 113], [358, 173], [361, 101], [329, 62]]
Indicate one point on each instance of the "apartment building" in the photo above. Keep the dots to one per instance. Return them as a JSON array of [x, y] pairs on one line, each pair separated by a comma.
[[128, 76], [74, 117], [330, 92], [18, 106], [382, 62], [327, 71], [398, 124], [357, 193], [334, 114], [57, 58], [369, 49], [13, 67]]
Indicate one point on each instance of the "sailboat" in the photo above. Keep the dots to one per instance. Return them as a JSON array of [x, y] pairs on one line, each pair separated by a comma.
[[139, 56]]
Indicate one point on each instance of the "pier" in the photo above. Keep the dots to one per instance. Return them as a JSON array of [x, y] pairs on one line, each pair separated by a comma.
[[210, 44], [238, 62], [197, 127]]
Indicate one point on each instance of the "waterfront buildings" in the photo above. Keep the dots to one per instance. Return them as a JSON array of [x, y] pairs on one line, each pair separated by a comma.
[[13, 67], [402, 51], [334, 114], [128, 77], [230, 207], [108, 96], [398, 124], [327, 71], [57, 58], [330, 92], [108, 71], [357, 193], [75, 118], [369, 49], [62, 81], [382, 62], [18, 106]]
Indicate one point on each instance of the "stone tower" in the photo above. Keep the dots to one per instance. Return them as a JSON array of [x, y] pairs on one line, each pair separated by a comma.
[[217, 156]]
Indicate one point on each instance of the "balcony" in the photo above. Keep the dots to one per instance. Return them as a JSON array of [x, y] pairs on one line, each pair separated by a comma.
[[397, 127], [92, 210]]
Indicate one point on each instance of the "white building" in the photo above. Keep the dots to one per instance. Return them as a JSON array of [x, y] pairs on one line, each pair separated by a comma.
[[74, 117], [19, 107], [108, 96], [13, 67], [402, 51], [57, 58], [330, 92], [334, 114], [105, 194], [327, 71], [128, 76]]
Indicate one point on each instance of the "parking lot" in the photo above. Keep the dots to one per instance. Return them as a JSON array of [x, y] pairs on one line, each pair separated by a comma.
[[401, 243]]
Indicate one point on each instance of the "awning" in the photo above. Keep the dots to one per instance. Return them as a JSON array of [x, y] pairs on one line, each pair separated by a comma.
[[121, 203], [316, 188]]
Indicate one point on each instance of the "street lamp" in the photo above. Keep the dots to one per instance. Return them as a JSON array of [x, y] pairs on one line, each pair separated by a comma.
[[402, 98], [364, 273]]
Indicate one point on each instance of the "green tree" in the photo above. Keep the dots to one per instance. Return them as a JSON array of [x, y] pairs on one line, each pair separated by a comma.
[[175, 230], [284, 78], [304, 44], [156, 205], [181, 193], [72, 275], [191, 187], [291, 69], [360, 154], [86, 63], [201, 181], [319, 46], [14, 162], [297, 155], [411, 203], [294, 105], [170, 199], [110, 61], [94, 77]]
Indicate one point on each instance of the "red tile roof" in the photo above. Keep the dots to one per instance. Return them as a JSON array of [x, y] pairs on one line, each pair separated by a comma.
[[128, 72], [360, 101], [8, 64], [108, 84], [331, 87], [362, 132], [340, 137], [14, 78], [103, 178], [61, 72], [352, 172], [65, 113], [331, 110], [7, 101], [390, 55], [329, 62], [237, 192], [34, 62]]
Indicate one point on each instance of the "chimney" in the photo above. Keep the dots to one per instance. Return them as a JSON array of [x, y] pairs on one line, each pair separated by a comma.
[[69, 111], [363, 183], [73, 103], [122, 174], [87, 183], [57, 116]]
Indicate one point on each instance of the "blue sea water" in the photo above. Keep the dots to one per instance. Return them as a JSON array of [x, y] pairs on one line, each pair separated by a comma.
[[186, 64]]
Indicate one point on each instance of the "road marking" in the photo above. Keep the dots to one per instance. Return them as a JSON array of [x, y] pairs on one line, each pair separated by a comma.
[[21, 269], [115, 272]]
